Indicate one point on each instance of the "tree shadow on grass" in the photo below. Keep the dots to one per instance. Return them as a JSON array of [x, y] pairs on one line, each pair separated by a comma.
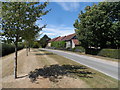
[[44, 54], [54, 72], [41, 50], [35, 51]]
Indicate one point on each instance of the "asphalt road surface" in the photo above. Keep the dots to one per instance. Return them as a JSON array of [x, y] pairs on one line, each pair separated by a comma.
[[106, 67]]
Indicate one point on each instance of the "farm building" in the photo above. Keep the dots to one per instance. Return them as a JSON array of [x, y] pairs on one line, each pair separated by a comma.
[[70, 40]]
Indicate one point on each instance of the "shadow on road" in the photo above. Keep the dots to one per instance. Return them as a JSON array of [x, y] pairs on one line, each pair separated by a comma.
[[54, 72]]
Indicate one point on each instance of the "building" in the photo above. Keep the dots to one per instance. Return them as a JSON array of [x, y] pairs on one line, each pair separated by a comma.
[[71, 41], [60, 38], [52, 40]]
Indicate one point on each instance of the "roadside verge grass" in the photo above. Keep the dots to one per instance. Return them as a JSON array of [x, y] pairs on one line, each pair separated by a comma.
[[99, 79], [95, 56]]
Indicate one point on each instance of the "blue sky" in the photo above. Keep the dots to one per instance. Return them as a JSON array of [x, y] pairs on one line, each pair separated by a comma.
[[61, 18]]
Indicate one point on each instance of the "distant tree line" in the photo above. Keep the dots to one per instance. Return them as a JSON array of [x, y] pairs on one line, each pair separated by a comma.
[[44, 41]]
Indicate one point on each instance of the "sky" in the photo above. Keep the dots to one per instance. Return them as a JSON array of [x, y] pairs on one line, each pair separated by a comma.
[[61, 18]]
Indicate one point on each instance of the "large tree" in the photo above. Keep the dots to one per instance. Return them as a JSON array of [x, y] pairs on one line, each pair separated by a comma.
[[30, 35], [96, 27], [16, 17]]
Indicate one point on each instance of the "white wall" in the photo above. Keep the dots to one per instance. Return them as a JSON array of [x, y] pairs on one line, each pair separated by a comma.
[[68, 44], [73, 44], [49, 45]]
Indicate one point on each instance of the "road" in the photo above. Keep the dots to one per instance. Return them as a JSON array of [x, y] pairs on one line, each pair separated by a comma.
[[106, 67]]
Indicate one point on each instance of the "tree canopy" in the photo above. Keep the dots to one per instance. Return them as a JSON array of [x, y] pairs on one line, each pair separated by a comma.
[[99, 25], [17, 16], [18, 21]]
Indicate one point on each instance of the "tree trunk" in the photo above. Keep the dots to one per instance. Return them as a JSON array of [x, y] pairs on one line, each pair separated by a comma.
[[15, 62], [27, 51], [29, 48]]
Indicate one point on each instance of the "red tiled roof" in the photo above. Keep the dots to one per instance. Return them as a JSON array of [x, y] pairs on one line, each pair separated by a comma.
[[64, 38], [53, 39], [76, 42], [68, 37], [60, 38]]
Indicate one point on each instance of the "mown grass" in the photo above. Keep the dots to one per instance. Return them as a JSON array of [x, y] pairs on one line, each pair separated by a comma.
[[99, 79]]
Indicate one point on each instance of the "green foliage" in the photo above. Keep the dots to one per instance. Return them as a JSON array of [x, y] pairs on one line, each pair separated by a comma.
[[18, 20], [36, 45], [112, 53], [69, 48], [114, 36], [98, 26], [78, 49], [44, 41], [58, 44], [92, 51], [10, 48], [31, 34]]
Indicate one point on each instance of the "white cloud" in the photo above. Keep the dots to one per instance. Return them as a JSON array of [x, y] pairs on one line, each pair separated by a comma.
[[50, 34], [54, 31], [69, 6]]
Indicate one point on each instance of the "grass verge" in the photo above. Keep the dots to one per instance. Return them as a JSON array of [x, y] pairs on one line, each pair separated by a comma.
[[95, 56], [99, 79]]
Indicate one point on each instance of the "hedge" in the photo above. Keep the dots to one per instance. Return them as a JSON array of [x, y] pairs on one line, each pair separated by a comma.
[[112, 53], [78, 49], [9, 48], [92, 51], [58, 44]]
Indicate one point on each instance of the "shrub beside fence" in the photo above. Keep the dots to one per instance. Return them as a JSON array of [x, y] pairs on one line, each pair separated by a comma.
[[112, 53], [78, 49], [92, 51], [8, 48]]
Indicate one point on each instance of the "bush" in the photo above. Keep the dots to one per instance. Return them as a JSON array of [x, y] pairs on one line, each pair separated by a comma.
[[72, 49], [112, 53], [36, 45], [92, 51], [20, 46], [78, 49], [69, 49], [9, 48]]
